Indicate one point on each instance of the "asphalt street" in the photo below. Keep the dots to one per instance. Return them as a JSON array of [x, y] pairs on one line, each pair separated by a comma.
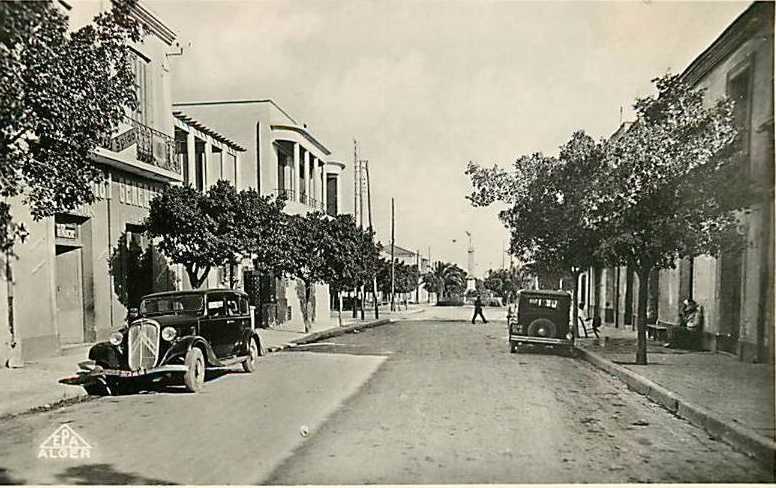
[[431, 400]]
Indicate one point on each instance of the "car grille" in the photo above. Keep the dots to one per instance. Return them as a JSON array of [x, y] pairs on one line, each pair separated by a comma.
[[143, 344]]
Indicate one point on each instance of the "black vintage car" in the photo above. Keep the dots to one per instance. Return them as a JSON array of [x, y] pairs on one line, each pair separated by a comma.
[[180, 333], [541, 318]]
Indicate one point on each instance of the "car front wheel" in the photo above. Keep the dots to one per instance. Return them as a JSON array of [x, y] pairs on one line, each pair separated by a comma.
[[194, 377], [249, 365]]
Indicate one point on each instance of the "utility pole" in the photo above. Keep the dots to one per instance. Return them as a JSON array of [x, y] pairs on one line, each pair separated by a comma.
[[371, 234], [355, 180], [393, 264], [417, 285]]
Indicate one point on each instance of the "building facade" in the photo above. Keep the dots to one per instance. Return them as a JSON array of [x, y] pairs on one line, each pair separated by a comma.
[[78, 272], [736, 288], [282, 157]]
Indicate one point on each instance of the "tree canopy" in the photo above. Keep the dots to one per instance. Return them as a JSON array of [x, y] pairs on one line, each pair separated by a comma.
[[60, 92]]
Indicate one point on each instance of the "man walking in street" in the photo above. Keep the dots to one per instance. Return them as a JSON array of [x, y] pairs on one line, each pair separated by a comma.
[[478, 310]]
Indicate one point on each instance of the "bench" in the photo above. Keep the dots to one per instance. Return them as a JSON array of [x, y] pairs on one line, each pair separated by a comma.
[[658, 331]]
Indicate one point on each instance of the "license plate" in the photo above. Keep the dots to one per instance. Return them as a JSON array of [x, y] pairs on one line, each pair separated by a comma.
[[123, 373]]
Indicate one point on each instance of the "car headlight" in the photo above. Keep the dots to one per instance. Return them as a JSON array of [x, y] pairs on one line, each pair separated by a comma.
[[168, 333], [569, 336], [116, 338]]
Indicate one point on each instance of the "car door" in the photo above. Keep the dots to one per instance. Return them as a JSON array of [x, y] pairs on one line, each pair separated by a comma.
[[214, 327], [235, 323]]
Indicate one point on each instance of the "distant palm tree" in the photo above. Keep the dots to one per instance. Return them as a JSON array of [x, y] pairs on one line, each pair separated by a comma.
[[445, 279]]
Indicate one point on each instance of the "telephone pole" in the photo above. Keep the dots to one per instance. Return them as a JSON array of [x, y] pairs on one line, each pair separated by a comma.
[[371, 236], [393, 263]]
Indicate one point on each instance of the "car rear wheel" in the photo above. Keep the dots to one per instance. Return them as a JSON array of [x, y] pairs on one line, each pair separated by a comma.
[[512, 347], [194, 377], [249, 365], [542, 328]]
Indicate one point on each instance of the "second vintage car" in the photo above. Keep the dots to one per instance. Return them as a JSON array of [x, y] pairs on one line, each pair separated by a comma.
[[175, 334], [541, 319]]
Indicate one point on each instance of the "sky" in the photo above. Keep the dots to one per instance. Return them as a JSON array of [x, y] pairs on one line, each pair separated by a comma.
[[427, 86]]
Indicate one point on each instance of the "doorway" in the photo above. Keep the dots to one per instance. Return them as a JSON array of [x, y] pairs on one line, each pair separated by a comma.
[[730, 299], [69, 294]]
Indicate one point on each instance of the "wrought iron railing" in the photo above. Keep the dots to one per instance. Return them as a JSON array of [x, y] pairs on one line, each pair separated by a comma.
[[286, 193], [152, 146]]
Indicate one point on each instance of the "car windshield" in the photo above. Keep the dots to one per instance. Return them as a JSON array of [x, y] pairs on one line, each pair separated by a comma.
[[171, 304]]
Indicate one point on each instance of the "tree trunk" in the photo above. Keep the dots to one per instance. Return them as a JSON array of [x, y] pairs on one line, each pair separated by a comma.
[[196, 281], [374, 297], [339, 307], [362, 292], [575, 313], [306, 311], [353, 303], [641, 333]]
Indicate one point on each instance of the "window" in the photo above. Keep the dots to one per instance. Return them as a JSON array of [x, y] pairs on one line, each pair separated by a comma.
[[244, 305], [232, 305], [216, 306], [143, 90], [739, 90]]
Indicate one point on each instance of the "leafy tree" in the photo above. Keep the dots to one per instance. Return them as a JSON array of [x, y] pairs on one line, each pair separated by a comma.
[[357, 256], [262, 231], [671, 185], [186, 232], [550, 201], [60, 93], [313, 247]]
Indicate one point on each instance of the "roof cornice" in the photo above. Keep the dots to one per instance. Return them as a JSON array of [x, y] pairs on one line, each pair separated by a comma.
[[754, 18], [152, 21]]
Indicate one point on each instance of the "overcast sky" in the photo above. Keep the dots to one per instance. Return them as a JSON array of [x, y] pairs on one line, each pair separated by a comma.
[[427, 86]]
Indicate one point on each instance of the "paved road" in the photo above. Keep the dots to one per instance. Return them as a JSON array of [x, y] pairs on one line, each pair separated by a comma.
[[451, 405], [416, 402]]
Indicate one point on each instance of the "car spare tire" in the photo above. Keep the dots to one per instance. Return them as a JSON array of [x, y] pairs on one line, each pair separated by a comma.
[[542, 328]]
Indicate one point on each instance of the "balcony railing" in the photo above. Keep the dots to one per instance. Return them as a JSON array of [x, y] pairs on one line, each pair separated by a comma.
[[151, 146], [303, 198]]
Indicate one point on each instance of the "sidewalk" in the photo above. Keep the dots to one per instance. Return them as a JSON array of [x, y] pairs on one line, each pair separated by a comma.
[[729, 398]]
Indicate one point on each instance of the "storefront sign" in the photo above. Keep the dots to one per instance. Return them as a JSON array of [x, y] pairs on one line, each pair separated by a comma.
[[66, 231]]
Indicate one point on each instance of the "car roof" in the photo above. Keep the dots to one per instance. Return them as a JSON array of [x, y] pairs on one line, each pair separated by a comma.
[[553, 293], [193, 292]]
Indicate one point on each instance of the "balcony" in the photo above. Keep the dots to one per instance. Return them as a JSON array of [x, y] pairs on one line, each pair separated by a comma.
[[301, 204], [153, 155]]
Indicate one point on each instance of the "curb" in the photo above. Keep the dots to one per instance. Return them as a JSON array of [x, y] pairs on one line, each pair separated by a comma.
[[755, 445], [328, 333]]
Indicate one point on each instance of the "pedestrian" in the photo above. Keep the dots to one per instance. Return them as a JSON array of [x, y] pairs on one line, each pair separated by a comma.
[[596, 323], [478, 310]]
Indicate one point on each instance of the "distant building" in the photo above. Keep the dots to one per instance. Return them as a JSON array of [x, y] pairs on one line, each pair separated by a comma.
[[412, 258]]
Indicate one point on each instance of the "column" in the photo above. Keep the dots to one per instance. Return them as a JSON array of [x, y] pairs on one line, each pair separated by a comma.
[[306, 175], [323, 187], [287, 175], [191, 159], [338, 187], [294, 178]]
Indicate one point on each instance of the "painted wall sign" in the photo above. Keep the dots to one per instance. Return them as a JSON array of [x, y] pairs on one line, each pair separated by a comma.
[[66, 231]]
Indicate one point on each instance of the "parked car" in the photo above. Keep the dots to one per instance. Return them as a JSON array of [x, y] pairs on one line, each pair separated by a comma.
[[175, 334], [541, 319]]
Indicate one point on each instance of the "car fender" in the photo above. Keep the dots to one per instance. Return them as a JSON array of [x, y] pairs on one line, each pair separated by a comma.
[[182, 346], [105, 354], [254, 334]]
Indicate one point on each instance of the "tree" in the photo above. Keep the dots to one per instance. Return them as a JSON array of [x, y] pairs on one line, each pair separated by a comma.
[[186, 232], [263, 232], [549, 201], [60, 93], [313, 250], [671, 186], [357, 256]]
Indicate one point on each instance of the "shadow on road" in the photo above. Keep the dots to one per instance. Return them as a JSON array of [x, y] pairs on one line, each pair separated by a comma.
[[6, 479], [104, 474]]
